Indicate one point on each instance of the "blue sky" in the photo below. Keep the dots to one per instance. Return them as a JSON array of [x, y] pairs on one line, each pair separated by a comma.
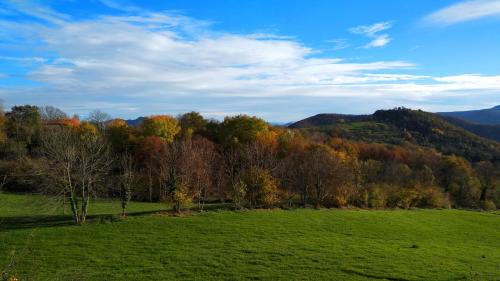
[[280, 60]]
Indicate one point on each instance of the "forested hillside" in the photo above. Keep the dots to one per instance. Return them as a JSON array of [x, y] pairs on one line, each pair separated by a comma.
[[401, 125], [400, 158]]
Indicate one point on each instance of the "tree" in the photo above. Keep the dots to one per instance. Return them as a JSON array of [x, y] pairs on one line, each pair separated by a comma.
[[486, 173], [148, 154], [3, 121], [162, 126], [261, 188], [241, 129], [324, 172], [127, 179], [99, 118], [23, 124], [178, 191], [119, 135], [192, 123], [51, 113], [458, 178], [239, 194], [198, 168], [77, 162]]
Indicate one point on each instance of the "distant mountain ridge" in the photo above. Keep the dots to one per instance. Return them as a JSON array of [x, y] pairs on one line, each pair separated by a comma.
[[490, 116], [327, 119], [135, 122]]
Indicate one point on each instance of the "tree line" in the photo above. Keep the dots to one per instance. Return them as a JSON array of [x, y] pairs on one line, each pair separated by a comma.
[[243, 161]]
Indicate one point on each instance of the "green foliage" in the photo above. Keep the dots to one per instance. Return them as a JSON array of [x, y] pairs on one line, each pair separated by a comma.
[[239, 194], [179, 192], [192, 123], [120, 136], [163, 126], [23, 124], [488, 205], [241, 129]]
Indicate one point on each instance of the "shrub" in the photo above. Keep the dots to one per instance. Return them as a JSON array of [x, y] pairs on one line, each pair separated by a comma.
[[404, 198], [488, 205], [20, 175], [377, 197], [180, 197], [262, 189], [239, 193], [10, 149], [432, 197]]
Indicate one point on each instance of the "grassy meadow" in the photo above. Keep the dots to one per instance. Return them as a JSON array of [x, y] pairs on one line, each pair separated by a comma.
[[38, 242]]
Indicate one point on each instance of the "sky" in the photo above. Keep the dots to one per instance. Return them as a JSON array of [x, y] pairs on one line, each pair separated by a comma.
[[281, 60]]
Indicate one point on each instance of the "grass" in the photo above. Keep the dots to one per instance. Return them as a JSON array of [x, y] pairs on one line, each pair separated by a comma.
[[298, 244]]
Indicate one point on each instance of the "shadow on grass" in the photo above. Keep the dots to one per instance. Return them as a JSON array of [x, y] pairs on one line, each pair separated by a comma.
[[354, 272], [41, 221], [27, 222]]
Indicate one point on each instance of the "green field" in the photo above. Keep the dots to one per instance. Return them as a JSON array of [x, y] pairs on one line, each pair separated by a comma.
[[41, 244]]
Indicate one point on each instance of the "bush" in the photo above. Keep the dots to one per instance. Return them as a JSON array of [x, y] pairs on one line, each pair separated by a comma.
[[404, 198], [239, 193], [488, 205], [262, 189], [377, 197], [10, 149], [180, 197], [432, 197], [20, 175]]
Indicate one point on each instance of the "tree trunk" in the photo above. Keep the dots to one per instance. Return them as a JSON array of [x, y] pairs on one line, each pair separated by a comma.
[[74, 207]]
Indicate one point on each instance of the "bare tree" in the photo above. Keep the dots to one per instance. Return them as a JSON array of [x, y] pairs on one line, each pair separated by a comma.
[[76, 164], [99, 118], [197, 167], [127, 179], [51, 113]]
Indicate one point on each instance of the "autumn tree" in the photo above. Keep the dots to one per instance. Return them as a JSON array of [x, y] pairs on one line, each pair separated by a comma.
[[261, 188], [148, 154], [324, 172], [162, 126], [241, 129], [198, 166], [459, 179], [120, 135]]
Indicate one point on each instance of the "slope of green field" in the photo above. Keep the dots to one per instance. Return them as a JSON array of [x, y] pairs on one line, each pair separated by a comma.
[[298, 244]]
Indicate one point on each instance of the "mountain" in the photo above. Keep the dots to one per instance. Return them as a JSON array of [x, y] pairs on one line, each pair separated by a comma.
[[328, 119], [489, 116], [401, 125], [135, 122]]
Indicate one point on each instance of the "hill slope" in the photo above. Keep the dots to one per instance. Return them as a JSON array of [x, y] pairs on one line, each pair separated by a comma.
[[483, 130], [402, 125], [483, 116]]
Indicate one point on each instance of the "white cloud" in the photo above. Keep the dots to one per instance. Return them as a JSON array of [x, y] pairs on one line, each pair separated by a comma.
[[464, 11], [339, 44], [372, 31], [164, 63], [379, 41]]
